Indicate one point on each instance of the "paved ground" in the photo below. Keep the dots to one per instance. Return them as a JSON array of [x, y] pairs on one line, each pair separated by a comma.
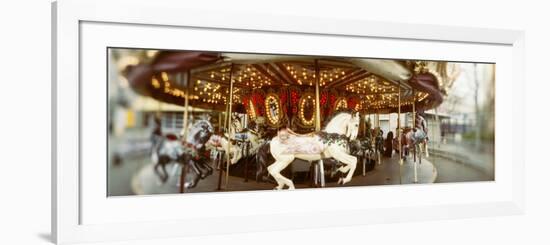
[[119, 176], [450, 171], [387, 173], [463, 162]]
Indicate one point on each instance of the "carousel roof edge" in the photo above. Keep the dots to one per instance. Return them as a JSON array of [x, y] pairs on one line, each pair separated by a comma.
[[424, 76]]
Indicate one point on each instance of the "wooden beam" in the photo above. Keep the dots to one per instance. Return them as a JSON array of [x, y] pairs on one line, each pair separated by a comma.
[[352, 74], [278, 73], [283, 70], [264, 71], [356, 77]]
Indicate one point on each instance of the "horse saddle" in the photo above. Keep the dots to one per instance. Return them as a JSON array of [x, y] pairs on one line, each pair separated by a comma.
[[295, 143], [287, 132]]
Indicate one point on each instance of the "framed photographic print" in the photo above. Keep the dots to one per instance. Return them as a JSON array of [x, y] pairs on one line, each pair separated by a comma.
[[172, 125]]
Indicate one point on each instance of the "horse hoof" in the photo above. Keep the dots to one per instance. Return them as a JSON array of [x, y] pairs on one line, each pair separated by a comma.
[[341, 181]]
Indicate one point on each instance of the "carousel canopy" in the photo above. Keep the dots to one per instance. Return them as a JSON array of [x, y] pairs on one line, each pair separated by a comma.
[[368, 85]]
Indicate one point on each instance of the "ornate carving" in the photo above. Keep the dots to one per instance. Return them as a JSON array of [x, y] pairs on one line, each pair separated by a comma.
[[307, 109], [274, 110], [341, 103]]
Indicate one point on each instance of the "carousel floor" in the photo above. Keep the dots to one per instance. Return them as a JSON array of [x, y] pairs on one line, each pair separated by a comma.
[[146, 182]]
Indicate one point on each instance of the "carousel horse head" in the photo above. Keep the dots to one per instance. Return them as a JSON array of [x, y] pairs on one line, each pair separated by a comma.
[[216, 142], [236, 123], [343, 122], [352, 127], [199, 133]]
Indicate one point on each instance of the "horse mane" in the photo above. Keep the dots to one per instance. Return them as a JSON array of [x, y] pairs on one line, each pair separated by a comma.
[[335, 114]]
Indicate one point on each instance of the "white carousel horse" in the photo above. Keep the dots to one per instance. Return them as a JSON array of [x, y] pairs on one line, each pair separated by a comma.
[[221, 144], [238, 132], [238, 137], [332, 141], [241, 136]]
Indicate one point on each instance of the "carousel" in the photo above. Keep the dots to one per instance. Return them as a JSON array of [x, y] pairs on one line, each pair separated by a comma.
[[259, 121]]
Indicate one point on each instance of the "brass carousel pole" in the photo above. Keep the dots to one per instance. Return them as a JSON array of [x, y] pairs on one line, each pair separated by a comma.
[[414, 145], [364, 134], [219, 156], [371, 135], [377, 134], [187, 82], [317, 105], [318, 119], [220, 121], [438, 125], [183, 132], [389, 126], [225, 116], [399, 131], [229, 109]]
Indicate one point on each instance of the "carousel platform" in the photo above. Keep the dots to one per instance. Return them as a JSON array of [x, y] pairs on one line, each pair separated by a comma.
[[388, 172]]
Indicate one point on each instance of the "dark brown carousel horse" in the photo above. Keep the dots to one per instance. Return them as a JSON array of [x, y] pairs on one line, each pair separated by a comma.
[[191, 154], [378, 140], [388, 144], [166, 149]]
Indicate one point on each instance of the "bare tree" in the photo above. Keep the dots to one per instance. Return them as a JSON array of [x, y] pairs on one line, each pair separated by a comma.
[[451, 103], [478, 119]]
